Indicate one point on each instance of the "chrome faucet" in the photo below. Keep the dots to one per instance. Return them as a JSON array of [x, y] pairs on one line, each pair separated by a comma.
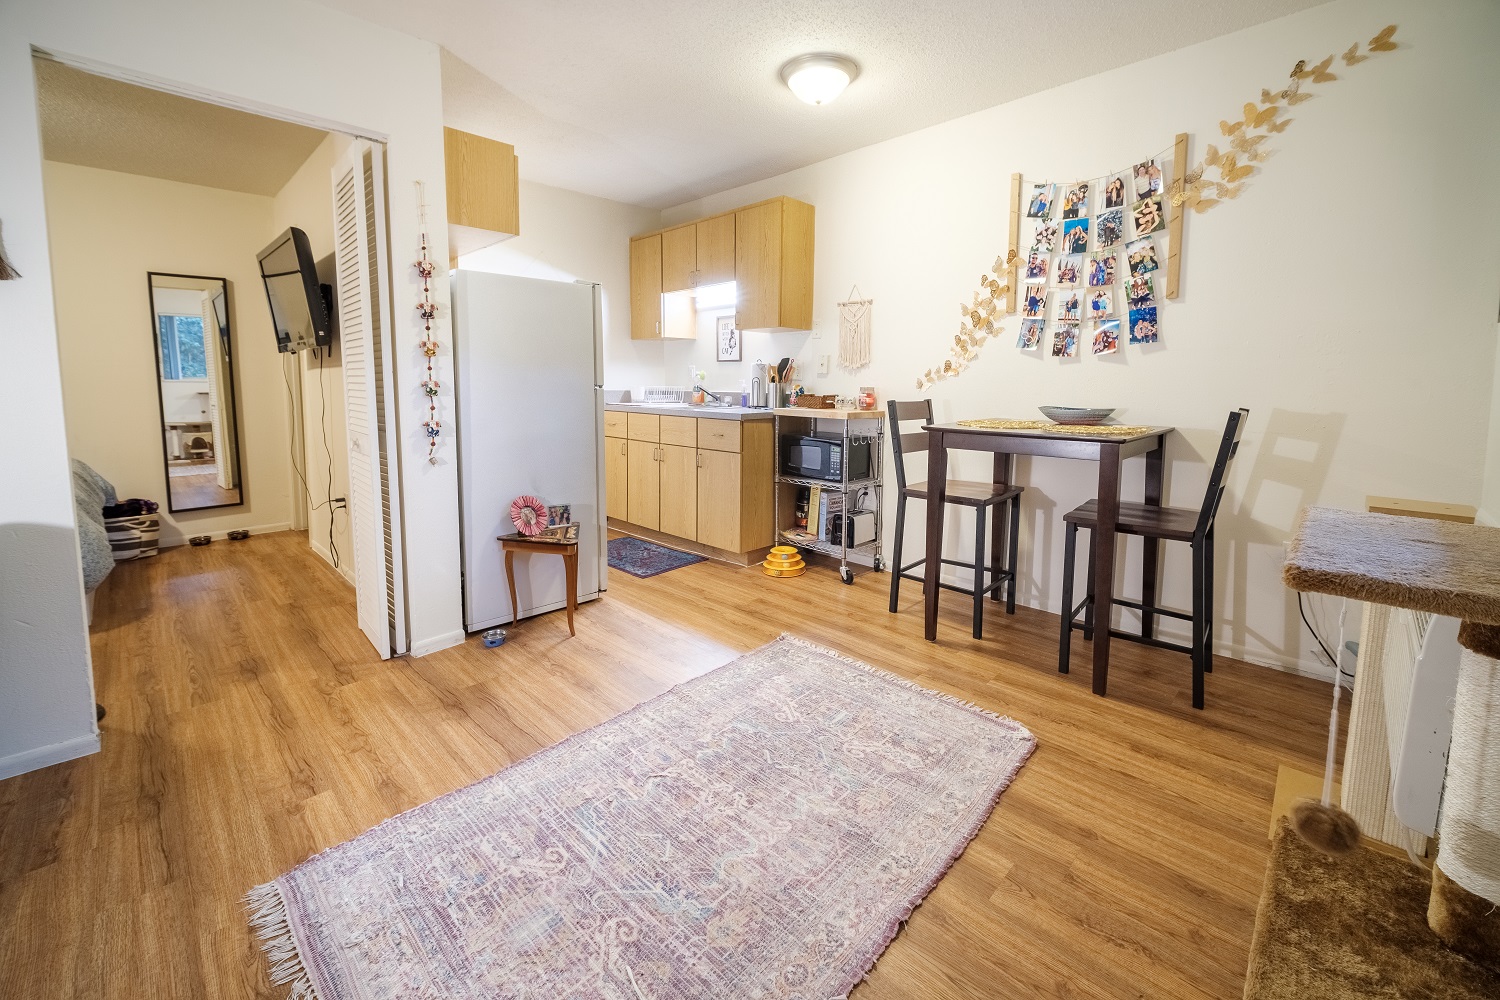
[[711, 395]]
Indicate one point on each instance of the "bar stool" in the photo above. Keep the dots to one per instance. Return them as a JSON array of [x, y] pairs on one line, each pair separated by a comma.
[[980, 496], [1173, 524]]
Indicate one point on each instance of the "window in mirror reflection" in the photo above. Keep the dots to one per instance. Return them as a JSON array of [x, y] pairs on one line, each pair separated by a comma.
[[182, 347]]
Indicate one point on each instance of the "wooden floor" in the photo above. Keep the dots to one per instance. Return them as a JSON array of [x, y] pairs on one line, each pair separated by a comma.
[[250, 726]]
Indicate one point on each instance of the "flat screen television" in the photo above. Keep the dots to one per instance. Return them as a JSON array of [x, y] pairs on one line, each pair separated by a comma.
[[300, 306]]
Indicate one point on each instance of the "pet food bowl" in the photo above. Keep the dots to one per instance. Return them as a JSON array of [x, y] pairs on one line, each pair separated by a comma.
[[1076, 414]]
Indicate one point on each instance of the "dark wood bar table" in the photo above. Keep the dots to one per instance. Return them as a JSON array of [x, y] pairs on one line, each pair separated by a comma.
[[1059, 441]]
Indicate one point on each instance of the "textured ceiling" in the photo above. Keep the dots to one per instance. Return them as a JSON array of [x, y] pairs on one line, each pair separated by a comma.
[[97, 122], [657, 102]]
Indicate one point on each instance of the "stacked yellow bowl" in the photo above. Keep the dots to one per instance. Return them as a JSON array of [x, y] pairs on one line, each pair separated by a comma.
[[784, 560]]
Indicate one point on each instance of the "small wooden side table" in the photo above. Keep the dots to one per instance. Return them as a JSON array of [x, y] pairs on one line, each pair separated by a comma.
[[511, 544]]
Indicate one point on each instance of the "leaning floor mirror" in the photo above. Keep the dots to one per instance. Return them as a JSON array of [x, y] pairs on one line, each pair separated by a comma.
[[195, 384]]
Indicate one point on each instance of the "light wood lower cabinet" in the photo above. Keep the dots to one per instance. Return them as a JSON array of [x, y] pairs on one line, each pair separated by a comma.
[[643, 484], [702, 480], [679, 491], [719, 499], [616, 489]]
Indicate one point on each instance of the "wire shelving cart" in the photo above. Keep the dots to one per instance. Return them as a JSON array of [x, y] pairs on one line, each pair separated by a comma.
[[860, 495]]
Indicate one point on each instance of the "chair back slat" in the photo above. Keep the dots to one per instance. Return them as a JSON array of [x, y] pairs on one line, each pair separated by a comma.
[[1229, 446], [899, 410], [914, 442]]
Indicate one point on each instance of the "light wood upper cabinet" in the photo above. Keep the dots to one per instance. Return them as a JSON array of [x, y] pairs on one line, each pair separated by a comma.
[[699, 253], [766, 249], [645, 288], [715, 239], [679, 258], [773, 265], [484, 199]]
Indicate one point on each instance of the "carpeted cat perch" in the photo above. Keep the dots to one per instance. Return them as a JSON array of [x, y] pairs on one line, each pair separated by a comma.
[[1447, 569]]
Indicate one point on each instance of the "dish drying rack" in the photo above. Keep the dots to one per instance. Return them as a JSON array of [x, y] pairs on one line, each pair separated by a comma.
[[665, 394]]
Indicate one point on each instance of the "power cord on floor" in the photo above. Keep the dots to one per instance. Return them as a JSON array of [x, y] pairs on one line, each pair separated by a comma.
[[1333, 661]]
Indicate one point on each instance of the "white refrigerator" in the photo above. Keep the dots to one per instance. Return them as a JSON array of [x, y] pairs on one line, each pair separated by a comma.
[[528, 359]]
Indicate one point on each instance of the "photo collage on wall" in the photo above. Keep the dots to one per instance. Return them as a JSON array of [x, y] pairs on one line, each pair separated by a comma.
[[1090, 268]]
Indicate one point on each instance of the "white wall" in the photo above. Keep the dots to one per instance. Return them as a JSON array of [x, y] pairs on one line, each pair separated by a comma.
[[107, 230], [306, 201], [1297, 298], [333, 71], [566, 236]]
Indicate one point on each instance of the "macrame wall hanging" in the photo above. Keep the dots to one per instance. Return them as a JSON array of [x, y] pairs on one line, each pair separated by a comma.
[[854, 331], [427, 309], [7, 272]]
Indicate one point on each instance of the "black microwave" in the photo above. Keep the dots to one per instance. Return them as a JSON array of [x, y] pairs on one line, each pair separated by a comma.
[[820, 458]]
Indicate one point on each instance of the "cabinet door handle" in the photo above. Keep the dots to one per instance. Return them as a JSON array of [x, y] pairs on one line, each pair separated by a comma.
[[699, 459]]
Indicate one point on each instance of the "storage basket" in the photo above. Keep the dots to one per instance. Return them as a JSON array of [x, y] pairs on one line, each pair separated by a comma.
[[134, 536]]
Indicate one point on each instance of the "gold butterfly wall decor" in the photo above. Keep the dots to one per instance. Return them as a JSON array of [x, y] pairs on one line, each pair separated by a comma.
[[1195, 192]]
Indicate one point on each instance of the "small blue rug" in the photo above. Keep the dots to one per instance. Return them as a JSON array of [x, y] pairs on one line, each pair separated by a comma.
[[642, 558]]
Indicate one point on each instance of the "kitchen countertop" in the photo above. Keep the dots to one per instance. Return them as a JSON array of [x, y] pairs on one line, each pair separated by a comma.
[[683, 410]]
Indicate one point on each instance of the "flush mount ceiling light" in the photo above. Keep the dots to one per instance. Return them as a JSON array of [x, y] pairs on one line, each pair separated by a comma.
[[819, 77]]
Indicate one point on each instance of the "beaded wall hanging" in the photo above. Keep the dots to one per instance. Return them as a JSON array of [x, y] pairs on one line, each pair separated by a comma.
[[428, 309]]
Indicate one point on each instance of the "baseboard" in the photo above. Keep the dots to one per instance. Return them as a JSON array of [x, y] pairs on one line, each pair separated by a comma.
[[56, 753], [219, 536], [344, 569], [438, 642]]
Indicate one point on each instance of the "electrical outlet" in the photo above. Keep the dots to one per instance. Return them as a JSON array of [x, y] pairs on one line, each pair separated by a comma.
[[823, 364], [817, 330]]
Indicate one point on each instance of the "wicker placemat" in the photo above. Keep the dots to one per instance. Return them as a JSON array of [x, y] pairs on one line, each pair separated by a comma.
[[1101, 430]]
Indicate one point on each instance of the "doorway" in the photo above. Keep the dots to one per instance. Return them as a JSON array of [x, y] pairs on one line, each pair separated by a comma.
[[175, 389]]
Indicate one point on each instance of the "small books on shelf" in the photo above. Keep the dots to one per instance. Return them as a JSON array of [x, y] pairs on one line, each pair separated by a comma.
[[829, 504]]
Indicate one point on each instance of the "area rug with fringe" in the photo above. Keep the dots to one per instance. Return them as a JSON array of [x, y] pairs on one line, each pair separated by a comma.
[[760, 831]]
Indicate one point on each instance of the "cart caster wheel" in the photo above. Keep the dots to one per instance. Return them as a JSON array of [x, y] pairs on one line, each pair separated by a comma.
[[879, 565], [846, 574]]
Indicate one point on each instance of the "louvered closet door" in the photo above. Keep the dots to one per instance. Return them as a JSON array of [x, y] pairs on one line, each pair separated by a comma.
[[363, 325]]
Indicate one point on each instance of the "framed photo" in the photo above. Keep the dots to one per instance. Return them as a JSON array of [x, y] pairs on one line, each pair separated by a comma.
[[1141, 255], [1076, 201], [1065, 339], [1114, 192], [1148, 216], [1069, 272], [1046, 238], [1042, 196], [1109, 229], [1034, 300], [1031, 335], [1068, 306], [1075, 235], [1107, 337], [559, 514], [1143, 326], [1102, 304], [1102, 269], [730, 347]]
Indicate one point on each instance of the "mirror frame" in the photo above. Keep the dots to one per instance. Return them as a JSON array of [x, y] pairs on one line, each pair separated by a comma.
[[161, 402]]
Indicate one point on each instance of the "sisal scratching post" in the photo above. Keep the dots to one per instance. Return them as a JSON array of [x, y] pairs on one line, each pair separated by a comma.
[[1465, 906]]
